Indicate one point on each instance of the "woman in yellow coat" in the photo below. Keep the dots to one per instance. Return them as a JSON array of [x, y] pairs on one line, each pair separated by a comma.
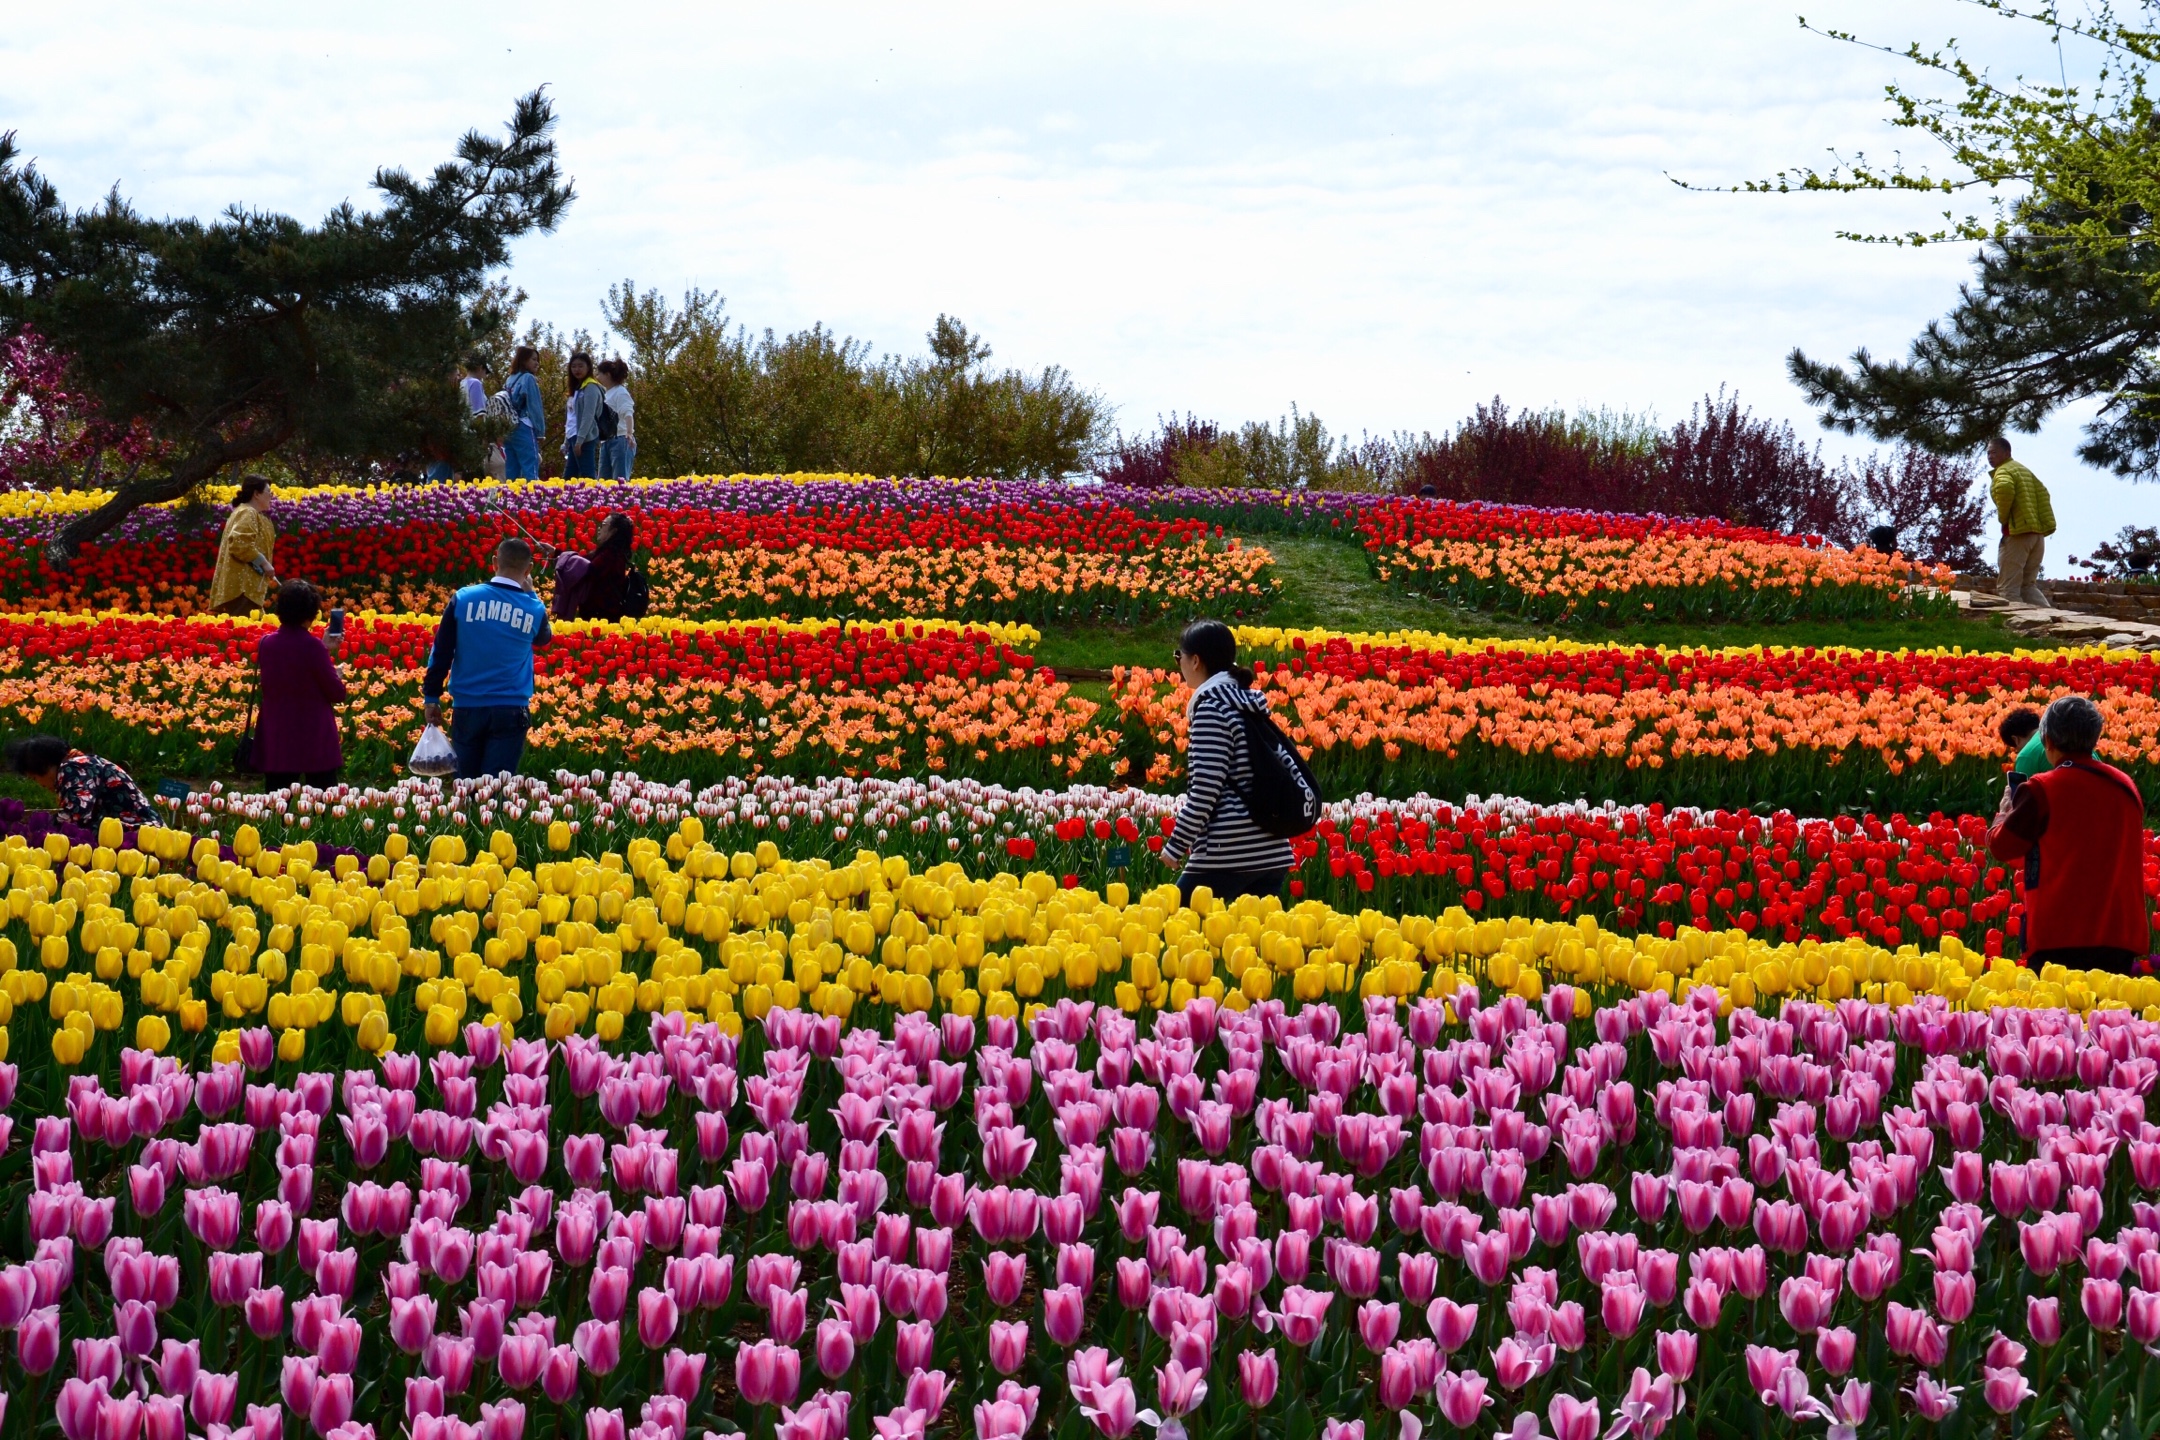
[[245, 577]]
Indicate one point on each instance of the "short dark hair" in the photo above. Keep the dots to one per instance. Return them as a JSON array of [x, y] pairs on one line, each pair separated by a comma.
[[523, 359], [36, 754], [2072, 725], [2017, 727], [298, 603], [514, 551], [1994, 440], [250, 487], [476, 361]]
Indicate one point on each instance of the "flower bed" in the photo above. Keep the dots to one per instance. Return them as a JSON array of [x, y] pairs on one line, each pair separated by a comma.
[[717, 550], [796, 546], [1889, 881], [1609, 570], [672, 1141], [1808, 730], [695, 700]]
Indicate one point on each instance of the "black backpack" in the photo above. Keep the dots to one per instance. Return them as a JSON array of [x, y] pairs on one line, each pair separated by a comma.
[[1284, 800], [604, 424], [636, 594]]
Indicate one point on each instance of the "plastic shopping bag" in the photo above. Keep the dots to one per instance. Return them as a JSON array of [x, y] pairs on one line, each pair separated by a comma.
[[433, 755]]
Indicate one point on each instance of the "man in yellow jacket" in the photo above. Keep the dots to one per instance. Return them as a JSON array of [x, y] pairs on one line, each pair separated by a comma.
[[2027, 520]]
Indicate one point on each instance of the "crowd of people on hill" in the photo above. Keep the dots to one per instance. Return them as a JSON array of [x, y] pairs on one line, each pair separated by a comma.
[[599, 429]]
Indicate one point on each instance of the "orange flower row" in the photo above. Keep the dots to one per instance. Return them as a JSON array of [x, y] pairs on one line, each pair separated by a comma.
[[1676, 574]]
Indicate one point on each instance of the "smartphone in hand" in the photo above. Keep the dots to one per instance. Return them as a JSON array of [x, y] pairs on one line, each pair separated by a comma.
[[337, 620]]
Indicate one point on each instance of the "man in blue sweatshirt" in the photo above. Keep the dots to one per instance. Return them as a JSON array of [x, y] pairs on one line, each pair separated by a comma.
[[484, 648]]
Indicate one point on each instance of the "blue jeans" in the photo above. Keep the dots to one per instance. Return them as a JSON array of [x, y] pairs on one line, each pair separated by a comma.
[[616, 455], [521, 454], [440, 470], [488, 739], [583, 461]]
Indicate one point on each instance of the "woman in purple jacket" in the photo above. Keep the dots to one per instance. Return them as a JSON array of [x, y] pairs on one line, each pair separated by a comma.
[[297, 736]]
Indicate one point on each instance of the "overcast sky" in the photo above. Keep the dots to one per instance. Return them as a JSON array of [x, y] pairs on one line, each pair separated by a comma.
[[1380, 213]]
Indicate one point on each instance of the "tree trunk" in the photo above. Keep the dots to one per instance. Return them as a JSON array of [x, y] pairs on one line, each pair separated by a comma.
[[135, 492]]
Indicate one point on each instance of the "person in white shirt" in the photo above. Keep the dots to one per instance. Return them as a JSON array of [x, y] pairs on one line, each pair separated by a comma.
[[474, 385], [618, 450]]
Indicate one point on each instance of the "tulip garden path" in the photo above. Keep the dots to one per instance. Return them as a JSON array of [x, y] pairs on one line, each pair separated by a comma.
[[812, 1043]]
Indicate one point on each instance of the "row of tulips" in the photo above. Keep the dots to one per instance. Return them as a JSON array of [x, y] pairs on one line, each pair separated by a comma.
[[1484, 1203], [400, 548], [157, 938], [697, 699], [875, 551], [1888, 881], [1607, 576], [1813, 731]]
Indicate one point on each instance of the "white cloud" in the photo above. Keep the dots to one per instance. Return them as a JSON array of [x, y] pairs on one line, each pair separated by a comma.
[[1382, 213]]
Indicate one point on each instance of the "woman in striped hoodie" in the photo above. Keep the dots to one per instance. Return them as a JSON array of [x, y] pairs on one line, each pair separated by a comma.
[[1216, 841]]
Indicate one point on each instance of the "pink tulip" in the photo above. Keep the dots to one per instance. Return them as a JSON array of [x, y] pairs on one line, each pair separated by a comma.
[[1934, 1402], [1004, 1277], [1064, 1314], [78, 1406], [1622, 1308], [559, 1376], [1804, 1303], [2102, 1301], [1008, 1345], [520, 1359], [1573, 1419], [1451, 1324], [598, 1344], [767, 1374], [1377, 1324], [1835, 1347], [1179, 1390], [210, 1399], [1676, 1353], [2005, 1389], [504, 1420], [1703, 1303], [1462, 1396], [2043, 1319], [1954, 1295], [1302, 1317], [412, 1323], [1259, 1372], [835, 1348], [332, 1403], [656, 1319], [2142, 1317]]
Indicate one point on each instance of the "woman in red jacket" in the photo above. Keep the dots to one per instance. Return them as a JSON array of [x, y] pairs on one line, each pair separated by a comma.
[[2086, 822]]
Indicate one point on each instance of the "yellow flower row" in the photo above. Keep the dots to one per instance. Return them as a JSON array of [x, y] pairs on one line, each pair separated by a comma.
[[409, 945], [17, 504]]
